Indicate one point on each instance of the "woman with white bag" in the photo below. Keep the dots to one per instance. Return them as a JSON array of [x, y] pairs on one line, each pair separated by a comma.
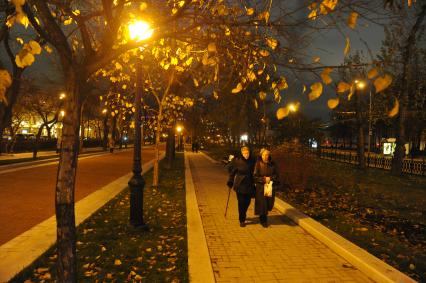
[[266, 179]]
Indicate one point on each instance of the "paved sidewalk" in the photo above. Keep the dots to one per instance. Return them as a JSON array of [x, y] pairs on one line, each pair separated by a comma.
[[48, 153], [283, 252]]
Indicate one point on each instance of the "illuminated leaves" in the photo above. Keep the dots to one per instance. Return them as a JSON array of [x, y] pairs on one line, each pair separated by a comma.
[[395, 109], [264, 53], [238, 88], [282, 113], [372, 73], [272, 42], [5, 82], [352, 19], [262, 95], [212, 47], [282, 84], [333, 103], [325, 76], [343, 87], [25, 57], [250, 11], [316, 91], [381, 83]]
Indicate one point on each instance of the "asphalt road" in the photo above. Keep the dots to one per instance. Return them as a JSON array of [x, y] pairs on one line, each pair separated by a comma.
[[27, 195]]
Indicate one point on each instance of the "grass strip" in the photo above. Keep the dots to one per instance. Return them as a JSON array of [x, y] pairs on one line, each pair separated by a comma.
[[110, 250]]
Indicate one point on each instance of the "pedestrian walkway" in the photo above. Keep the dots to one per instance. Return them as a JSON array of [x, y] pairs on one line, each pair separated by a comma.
[[283, 252], [48, 153]]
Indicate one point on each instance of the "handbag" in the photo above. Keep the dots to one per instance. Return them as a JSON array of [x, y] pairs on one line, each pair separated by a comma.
[[267, 189]]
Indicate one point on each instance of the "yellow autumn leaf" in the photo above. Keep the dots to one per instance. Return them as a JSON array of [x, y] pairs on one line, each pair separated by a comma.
[[372, 73], [282, 84], [117, 262], [255, 103], [277, 95], [48, 49], [196, 82], [24, 58], [264, 16], [316, 59], [395, 109], [20, 40], [76, 12], [238, 88], [327, 6], [304, 89], [215, 95], [143, 6], [68, 21], [35, 47], [282, 113], [316, 91], [250, 11], [352, 19], [343, 87], [212, 47], [264, 53], [381, 83], [272, 42], [262, 95], [251, 76], [5, 82], [312, 15], [332, 103], [174, 61], [325, 76], [347, 47]]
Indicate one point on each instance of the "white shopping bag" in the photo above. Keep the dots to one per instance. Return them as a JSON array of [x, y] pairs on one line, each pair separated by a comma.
[[267, 190]]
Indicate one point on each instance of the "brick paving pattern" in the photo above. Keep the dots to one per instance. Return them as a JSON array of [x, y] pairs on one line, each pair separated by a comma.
[[283, 252]]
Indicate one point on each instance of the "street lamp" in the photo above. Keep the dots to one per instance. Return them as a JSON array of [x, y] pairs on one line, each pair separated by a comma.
[[361, 85], [179, 130], [138, 31]]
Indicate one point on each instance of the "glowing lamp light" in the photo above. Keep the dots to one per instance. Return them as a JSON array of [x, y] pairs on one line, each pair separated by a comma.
[[140, 30], [360, 84], [292, 107], [179, 129], [104, 111], [62, 96], [244, 137], [62, 113]]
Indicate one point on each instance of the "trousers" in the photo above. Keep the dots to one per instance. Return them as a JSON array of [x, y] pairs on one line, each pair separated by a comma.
[[243, 205]]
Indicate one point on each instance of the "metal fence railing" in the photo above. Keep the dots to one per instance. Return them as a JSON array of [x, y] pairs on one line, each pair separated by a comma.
[[414, 166]]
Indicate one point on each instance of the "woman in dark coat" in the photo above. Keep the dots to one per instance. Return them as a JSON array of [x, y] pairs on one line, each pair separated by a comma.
[[241, 180], [265, 171]]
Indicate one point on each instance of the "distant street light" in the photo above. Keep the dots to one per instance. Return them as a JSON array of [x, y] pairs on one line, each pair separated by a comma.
[[179, 129], [360, 85], [138, 31], [62, 96]]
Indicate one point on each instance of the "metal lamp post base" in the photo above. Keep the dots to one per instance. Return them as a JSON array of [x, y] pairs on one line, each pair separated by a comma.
[[136, 185]]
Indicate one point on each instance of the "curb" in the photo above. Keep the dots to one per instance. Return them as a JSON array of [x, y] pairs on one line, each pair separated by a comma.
[[199, 264], [24, 249], [376, 269]]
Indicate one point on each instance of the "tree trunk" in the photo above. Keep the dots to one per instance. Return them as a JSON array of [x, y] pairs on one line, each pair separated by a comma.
[[170, 148], [398, 159], [157, 151], [37, 140], [106, 132], [65, 183]]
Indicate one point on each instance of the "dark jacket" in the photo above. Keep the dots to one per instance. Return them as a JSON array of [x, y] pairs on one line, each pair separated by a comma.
[[261, 170], [241, 175]]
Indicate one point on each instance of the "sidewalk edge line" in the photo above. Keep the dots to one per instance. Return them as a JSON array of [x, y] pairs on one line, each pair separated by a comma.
[[373, 267], [18, 253], [199, 264]]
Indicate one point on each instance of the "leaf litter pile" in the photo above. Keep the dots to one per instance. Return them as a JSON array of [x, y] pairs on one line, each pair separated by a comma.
[[383, 214], [110, 250]]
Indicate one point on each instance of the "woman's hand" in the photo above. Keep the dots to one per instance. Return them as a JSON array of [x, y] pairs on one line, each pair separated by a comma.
[[267, 180]]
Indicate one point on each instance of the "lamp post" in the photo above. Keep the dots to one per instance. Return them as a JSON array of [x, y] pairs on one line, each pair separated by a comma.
[[179, 130], [138, 31], [359, 86]]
